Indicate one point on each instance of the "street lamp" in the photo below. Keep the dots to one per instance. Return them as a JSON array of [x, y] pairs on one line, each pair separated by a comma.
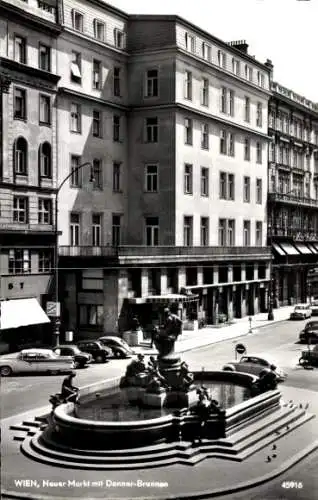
[[56, 249]]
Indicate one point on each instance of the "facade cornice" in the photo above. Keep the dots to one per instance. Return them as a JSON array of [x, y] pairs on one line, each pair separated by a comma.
[[70, 34], [24, 69], [36, 22], [109, 8], [97, 100], [291, 104], [26, 187]]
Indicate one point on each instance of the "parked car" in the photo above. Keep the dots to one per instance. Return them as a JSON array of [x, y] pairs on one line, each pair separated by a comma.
[[314, 308], [99, 352], [301, 311], [81, 358], [309, 334], [119, 347], [35, 360], [255, 365], [309, 357]]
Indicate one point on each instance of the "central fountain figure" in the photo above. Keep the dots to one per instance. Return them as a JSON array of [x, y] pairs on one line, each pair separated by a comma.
[[168, 333]]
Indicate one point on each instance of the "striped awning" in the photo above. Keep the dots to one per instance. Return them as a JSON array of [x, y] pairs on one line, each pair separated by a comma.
[[164, 299]]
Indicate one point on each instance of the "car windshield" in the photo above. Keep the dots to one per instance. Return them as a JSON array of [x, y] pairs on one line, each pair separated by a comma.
[[300, 307]]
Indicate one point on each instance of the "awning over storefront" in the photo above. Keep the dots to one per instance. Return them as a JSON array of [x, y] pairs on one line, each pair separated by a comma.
[[279, 250], [164, 299], [289, 248], [303, 248], [21, 312], [312, 248]]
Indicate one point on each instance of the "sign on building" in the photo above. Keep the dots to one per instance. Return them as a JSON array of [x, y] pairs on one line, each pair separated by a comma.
[[53, 309]]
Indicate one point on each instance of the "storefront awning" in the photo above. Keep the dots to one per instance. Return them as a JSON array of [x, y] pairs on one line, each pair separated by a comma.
[[289, 249], [279, 250], [312, 248], [164, 299], [21, 312], [302, 248]]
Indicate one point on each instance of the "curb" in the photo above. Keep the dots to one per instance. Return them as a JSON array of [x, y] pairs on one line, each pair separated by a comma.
[[285, 466]]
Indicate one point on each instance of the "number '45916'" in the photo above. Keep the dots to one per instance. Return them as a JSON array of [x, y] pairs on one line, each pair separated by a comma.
[[292, 484]]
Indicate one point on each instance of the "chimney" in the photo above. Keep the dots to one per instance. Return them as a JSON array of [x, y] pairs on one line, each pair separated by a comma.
[[240, 45], [269, 64]]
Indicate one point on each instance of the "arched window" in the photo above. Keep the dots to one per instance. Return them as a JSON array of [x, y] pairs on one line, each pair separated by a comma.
[[20, 155], [45, 160]]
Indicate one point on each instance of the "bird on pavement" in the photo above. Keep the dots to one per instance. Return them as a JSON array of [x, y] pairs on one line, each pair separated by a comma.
[[300, 406], [274, 455], [307, 405], [278, 433], [287, 427], [274, 447], [268, 459]]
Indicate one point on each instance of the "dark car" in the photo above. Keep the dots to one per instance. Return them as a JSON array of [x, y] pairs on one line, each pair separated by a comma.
[[119, 347], [99, 352], [309, 334], [81, 358]]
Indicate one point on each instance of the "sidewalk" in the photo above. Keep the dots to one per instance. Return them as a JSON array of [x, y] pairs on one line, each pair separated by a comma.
[[213, 334]]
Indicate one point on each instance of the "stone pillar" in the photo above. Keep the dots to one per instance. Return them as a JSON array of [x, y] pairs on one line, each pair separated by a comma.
[[200, 275], [182, 278], [256, 298], [285, 288], [70, 301], [144, 282], [229, 299], [266, 289], [268, 271], [163, 281], [215, 307], [215, 274], [230, 274], [111, 295], [243, 272], [255, 271], [252, 298], [244, 293]]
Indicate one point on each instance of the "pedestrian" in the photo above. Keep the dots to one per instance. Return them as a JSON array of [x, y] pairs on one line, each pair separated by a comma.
[[69, 393]]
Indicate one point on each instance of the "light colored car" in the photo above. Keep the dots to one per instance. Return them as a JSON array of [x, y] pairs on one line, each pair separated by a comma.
[[301, 311], [35, 361], [314, 308], [255, 364]]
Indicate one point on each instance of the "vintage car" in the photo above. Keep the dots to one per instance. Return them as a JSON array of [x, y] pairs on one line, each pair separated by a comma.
[[81, 359], [301, 311], [35, 361], [314, 308], [119, 347], [309, 357], [255, 365], [309, 334], [99, 352]]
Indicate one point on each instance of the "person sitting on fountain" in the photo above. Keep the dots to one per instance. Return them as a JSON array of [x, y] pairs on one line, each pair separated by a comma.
[[155, 374], [152, 364], [69, 393], [186, 377], [172, 324], [136, 366]]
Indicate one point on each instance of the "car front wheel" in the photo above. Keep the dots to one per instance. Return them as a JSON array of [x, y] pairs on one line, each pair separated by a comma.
[[5, 371], [99, 359]]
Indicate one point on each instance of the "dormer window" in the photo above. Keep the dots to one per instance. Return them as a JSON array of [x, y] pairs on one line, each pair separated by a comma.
[[99, 30], [119, 38], [236, 66], [206, 52], [222, 59], [77, 20], [189, 42], [248, 73]]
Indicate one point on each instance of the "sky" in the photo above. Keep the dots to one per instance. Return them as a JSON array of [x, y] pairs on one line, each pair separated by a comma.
[[285, 31]]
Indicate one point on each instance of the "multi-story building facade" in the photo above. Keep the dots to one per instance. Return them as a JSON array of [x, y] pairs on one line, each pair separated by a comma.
[[293, 192], [28, 40]]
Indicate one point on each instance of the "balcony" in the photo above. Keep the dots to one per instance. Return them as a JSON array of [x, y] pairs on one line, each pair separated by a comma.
[[15, 227], [295, 234], [45, 9], [147, 254], [292, 200]]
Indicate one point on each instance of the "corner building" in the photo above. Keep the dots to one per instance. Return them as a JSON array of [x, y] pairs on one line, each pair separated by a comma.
[[183, 155]]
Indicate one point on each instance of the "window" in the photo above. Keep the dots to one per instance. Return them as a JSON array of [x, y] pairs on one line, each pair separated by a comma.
[[151, 178], [44, 211], [272, 152], [247, 149], [259, 115], [188, 181], [258, 152], [99, 30], [20, 49], [21, 156], [259, 193], [116, 128], [188, 131], [116, 176], [231, 144], [246, 233], [223, 100], [96, 74], [260, 79], [206, 52], [97, 174], [223, 142], [119, 38], [19, 111], [74, 229], [77, 20], [227, 101], [205, 136], [231, 187], [152, 83], [247, 109], [205, 92], [236, 66], [76, 67], [152, 129], [116, 224], [19, 261], [204, 181], [45, 158], [189, 42], [188, 231], [188, 85], [231, 232], [116, 81], [152, 231], [204, 232], [247, 189], [222, 59], [44, 57], [223, 186], [222, 232], [231, 102], [97, 123], [45, 261], [75, 118], [258, 233], [248, 73], [76, 177], [96, 229], [20, 209], [91, 315], [45, 109]]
